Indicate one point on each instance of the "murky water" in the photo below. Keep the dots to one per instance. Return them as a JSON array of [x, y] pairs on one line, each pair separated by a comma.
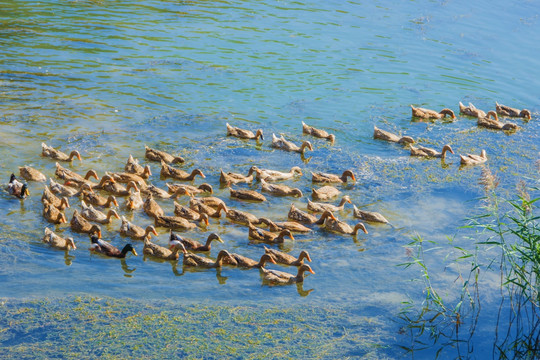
[[107, 78]]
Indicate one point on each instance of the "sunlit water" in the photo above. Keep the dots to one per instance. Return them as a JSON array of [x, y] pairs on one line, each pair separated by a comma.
[[107, 78]]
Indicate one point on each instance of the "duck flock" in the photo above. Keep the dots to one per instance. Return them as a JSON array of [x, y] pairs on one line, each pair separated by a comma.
[[133, 185]]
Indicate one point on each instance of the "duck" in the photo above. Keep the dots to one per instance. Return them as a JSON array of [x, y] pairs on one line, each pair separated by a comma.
[[52, 214], [91, 214], [17, 188], [290, 225], [235, 178], [152, 208], [57, 241], [199, 261], [275, 175], [310, 130], [332, 224], [244, 134], [245, 262], [250, 195], [321, 207], [504, 110], [324, 193], [62, 190], [369, 216], [168, 171], [286, 259], [211, 201], [281, 143], [114, 188], [178, 223], [125, 178], [81, 225], [431, 114], [194, 245], [30, 174], [241, 217], [427, 152], [49, 151], [280, 190], [201, 208], [303, 217], [275, 277], [134, 231], [133, 167], [93, 198], [105, 248], [189, 189], [66, 174], [487, 122], [186, 213], [159, 156], [60, 203], [319, 177], [471, 110], [388, 136], [161, 252], [267, 236], [471, 159], [154, 191]]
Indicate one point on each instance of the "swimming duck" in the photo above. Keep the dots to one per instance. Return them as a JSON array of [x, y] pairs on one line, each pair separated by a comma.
[[274, 175], [30, 174], [280, 190], [369, 216], [189, 189], [286, 259], [487, 122], [116, 189], [431, 114], [91, 214], [504, 110], [199, 261], [283, 278], [290, 225], [319, 177], [244, 134], [161, 252], [321, 207], [471, 110], [186, 213], [241, 217], [92, 198], [133, 167], [194, 245], [211, 201], [281, 143], [17, 188], [125, 177], [245, 262], [267, 236], [152, 208], [159, 156], [105, 248], [168, 171], [52, 214], [49, 151], [335, 225], [388, 136], [471, 159], [306, 129], [324, 193], [303, 217], [57, 241], [178, 223], [234, 178], [66, 174], [154, 191], [48, 196], [201, 208], [427, 152], [136, 232], [250, 195], [81, 225]]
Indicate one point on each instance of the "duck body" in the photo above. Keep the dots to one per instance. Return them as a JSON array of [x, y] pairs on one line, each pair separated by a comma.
[[280, 190], [107, 249], [203, 262], [211, 201], [57, 241], [495, 124], [159, 156], [431, 114], [48, 196], [241, 217], [116, 189], [194, 245], [388, 136], [504, 110], [282, 278], [134, 231], [66, 174], [95, 199], [275, 175], [235, 178], [324, 178], [161, 252], [310, 130], [168, 171], [428, 152], [293, 226], [17, 188], [177, 223], [287, 259], [245, 262], [189, 189], [244, 134], [30, 174], [369, 216], [59, 189], [322, 207], [334, 225], [281, 143], [267, 236], [50, 152], [152, 208], [201, 208], [325, 193], [185, 212], [250, 195], [471, 159], [91, 214], [471, 110], [81, 225], [52, 214], [125, 178]]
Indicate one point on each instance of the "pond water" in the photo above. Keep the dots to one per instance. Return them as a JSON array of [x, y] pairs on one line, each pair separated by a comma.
[[107, 78]]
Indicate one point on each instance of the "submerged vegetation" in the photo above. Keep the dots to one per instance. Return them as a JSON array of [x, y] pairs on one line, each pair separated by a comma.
[[506, 241]]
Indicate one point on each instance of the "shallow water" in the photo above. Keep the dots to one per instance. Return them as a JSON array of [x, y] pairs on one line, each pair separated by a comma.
[[107, 78]]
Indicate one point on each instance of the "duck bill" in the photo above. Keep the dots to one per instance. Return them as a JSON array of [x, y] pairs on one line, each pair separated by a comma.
[[308, 258], [116, 202], [129, 205], [292, 237], [352, 177], [154, 232], [311, 271], [134, 252]]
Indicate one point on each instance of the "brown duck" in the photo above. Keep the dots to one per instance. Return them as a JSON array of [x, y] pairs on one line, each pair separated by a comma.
[[428, 152], [275, 277], [52, 214], [319, 177], [168, 171], [281, 143], [310, 130], [250, 195], [133, 167], [60, 203], [49, 151], [286, 259], [194, 245], [134, 231], [388, 136], [235, 178], [326, 192], [267, 236], [30, 174], [488, 122], [57, 241], [152, 208], [322, 207], [504, 110], [244, 134], [81, 225], [161, 252], [159, 156], [431, 114]]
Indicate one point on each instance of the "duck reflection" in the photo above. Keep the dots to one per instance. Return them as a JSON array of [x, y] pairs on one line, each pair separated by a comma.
[[126, 268]]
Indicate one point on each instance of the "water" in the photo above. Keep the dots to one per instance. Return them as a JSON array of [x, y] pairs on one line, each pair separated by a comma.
[[107, 78]]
